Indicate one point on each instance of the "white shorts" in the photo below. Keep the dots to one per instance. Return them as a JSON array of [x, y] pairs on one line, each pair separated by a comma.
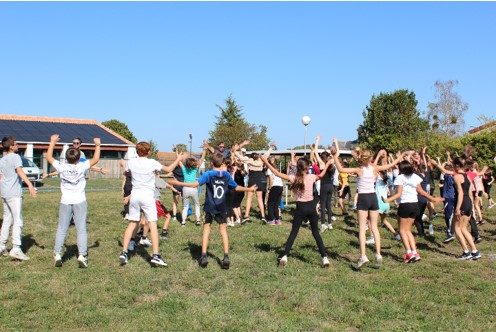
[[142, 202]]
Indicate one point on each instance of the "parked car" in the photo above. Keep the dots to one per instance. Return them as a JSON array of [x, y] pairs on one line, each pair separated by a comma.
[[32, 171]]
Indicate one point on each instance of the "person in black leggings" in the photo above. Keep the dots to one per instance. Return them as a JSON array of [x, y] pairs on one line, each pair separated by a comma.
[[302, 185]]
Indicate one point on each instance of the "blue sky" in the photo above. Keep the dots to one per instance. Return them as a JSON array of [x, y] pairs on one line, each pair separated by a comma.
[[162, 67]]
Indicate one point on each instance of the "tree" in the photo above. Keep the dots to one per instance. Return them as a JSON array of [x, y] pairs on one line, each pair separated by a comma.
[[153, 150], [180, 148], [121, 129], [392, 122], [446, 113], [231, 128]]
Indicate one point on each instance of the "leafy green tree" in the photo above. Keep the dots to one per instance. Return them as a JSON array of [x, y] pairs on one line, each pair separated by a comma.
[[121, 129], [231, 128], [392, 122], [484, 144], [180, 148]]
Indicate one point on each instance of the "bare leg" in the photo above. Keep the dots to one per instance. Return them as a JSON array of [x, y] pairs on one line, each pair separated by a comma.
[[128, 233], [362, 222], [225, 239], [249, 196], [374, 216], [152, 226], [260, 203], [206, 235]]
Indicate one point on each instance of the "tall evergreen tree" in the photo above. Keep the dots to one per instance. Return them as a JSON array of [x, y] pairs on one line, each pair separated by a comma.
[[231, 127]]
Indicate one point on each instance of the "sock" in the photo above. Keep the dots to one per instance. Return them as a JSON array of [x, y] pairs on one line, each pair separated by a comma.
[[414, 252], [465, 251], [474, 251], [408, 251]]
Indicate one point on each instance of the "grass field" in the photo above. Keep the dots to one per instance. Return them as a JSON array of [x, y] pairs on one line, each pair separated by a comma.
[[438, 293]]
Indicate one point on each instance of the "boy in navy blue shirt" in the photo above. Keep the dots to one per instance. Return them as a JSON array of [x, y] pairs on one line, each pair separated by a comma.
[[218, 182]]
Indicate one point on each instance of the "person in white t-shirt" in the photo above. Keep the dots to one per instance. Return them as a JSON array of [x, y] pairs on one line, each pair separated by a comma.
[[143, 199], [73, 201], [408, 187]]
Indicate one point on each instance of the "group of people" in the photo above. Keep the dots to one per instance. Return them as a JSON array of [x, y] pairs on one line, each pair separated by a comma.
[[404, 179]]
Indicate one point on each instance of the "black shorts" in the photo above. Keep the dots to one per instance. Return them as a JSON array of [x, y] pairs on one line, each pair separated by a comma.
[[466, 207], [221, 218], [408, 210], [367, 202], [346, 192], [259, 178], [179, 189], [238, 199]]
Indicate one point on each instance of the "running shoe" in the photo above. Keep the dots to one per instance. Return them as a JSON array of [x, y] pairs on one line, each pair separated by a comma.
[[226, 262], [58, 260], [144, 241], [325, 261], [83, 261], [465, 256], [449, 238], [157, 260], [476, 255], [123, 258], [203, 261], [415, 257], [283, 261], [16, 253], [362, 261]]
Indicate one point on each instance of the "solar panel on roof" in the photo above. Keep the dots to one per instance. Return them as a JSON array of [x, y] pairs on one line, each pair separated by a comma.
[[35, 131]]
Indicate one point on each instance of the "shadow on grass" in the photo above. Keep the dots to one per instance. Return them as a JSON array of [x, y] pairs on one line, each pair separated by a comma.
[[72, 250], [28, 241], [279, 251], [195, 251], [139, 250]]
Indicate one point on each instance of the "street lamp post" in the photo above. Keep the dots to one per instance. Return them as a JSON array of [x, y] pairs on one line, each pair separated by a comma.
[[306, 121], [190, 143]]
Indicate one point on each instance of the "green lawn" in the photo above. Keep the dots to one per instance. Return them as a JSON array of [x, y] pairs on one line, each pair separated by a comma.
[[438, 293]]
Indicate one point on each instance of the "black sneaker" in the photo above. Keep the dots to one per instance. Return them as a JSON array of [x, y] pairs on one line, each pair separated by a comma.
[[476, 255], [449, 238], [465, 256], [478, 239], [164, 235], [123, 258], [226, 262], [157, 260], [203, 261]]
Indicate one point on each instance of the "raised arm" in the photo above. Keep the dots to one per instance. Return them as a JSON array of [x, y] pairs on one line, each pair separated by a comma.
[[53, 140], [96, 155], [391, 165], [202, 158], [381, 154], [338, 163], [441, 167], [329, 163], [274, 170], [171, 167]]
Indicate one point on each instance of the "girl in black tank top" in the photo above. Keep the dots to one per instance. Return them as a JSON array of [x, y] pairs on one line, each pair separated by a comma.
[[463, 211]]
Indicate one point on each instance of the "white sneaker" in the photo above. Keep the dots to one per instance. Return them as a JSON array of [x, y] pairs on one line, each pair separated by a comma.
[[370, 240], [378, 260], [58, 260], [144, 241], [329, 226], [325, 262], [230, 224], [238, 222], [283, 261], [16, 253], [83, 261], [323, 228], [333, 218], [431, 229], [362, 261]]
